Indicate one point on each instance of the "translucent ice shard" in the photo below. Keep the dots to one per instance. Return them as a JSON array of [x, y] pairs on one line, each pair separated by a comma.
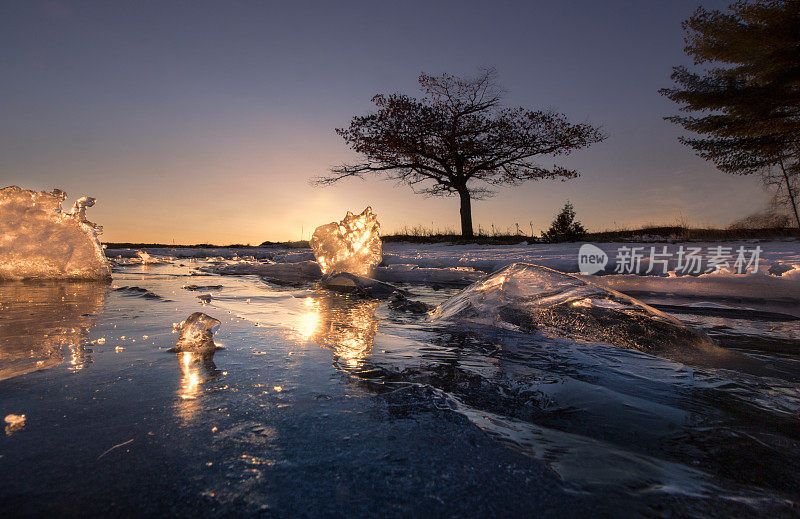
[[14, 422], [196, 334], [40, 241], [352, 245], [528, 297]]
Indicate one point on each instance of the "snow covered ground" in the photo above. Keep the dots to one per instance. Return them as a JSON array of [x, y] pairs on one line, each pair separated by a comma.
[[777, 278], [564, 256]]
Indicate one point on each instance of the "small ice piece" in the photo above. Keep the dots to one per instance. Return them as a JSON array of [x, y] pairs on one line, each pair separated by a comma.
[[196, 334], [40, 241], [14, 422], [398, 301], [79, 208], [352, 245], [529, 297]]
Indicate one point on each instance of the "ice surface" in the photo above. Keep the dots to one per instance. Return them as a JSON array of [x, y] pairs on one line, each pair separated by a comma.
[[40, 241], [299, 273], [527, 297], [197, 334], [358, 285], [136, 257], [45, 324], [352, 245], [278, 273], [633, 421], [454, 276]]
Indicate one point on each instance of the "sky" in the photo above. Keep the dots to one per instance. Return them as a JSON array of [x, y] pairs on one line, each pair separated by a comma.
[[202, 122]]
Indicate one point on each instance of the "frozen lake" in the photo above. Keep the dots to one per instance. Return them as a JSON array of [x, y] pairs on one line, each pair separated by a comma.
[[326, 404]]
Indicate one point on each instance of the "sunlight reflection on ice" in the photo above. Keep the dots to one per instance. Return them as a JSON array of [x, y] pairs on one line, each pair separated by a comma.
[[44, 324], [196, 369], [345, 326]]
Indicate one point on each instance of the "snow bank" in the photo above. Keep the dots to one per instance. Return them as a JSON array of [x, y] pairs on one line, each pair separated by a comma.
[[776, 255], [760, 286], [777, 279], [39, 241]]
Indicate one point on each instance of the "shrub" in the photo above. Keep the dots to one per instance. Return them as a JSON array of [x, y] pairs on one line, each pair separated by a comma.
[[564, 227]]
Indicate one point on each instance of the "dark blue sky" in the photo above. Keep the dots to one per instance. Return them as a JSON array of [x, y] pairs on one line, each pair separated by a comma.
[[202, 121]]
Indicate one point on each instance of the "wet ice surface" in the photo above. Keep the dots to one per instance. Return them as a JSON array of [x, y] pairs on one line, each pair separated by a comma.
[[324, 404]]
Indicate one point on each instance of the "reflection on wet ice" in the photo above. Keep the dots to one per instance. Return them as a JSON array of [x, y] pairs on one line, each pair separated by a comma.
[[345, 325], [196, 369], [43, 324]]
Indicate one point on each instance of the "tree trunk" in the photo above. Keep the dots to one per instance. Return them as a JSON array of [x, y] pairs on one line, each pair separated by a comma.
[[792, 200], [466, 213]]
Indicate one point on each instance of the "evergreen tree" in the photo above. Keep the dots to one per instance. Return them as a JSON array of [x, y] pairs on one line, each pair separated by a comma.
[[745, 103], [564, 227]]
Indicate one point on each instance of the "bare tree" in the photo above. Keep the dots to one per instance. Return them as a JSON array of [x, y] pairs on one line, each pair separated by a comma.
[[458, 139]]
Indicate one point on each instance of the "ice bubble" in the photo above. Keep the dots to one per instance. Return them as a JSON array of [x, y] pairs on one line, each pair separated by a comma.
[[40, 241], [352, 245], [196, 334]]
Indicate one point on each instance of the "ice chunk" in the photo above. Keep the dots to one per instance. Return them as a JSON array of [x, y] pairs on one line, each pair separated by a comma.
[[352, 245], [400, 302], [79, 209], [14, 422], [40, 241], [526, 297], [137, 257], [196, 334]]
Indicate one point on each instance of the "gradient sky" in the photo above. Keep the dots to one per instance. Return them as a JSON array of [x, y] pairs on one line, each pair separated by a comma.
[[203, 121]]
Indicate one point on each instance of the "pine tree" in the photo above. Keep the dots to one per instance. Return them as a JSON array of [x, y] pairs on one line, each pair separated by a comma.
[[564, 227], [746, 102]]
